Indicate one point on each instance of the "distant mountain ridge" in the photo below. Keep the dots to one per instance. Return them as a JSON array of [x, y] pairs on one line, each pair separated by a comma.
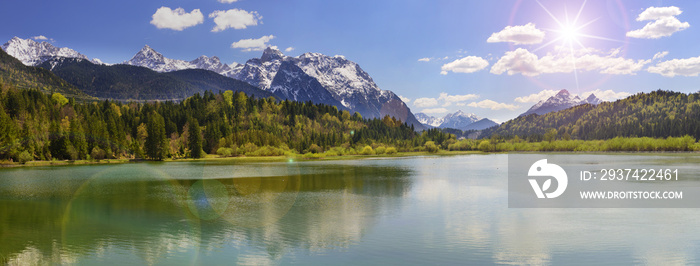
[[33, 53], [149, 58], [562, 100], [342, 82], [126, 82], [338, 81], [458, 120]]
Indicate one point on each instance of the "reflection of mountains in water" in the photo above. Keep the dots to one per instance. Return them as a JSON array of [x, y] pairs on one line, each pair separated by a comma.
[[156, 219]]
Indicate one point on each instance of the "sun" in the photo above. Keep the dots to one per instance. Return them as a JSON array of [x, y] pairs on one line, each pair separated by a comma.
[[569, 34]]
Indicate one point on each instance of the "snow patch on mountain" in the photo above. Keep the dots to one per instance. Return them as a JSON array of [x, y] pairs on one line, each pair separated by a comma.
[[33, 53], [148, 57], [457, 120], [430, 121], [562, 100]]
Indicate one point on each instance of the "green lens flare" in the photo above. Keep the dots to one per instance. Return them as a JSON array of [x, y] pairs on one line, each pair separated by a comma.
[[207, 199]]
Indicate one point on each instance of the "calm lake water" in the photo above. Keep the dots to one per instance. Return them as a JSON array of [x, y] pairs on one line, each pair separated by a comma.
[[419, 210]]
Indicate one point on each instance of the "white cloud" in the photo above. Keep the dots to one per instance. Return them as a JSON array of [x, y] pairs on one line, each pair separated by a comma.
[[677, 67], [467, 64], [458, 99], [489, 104], [434, 111], [606, 95], [178, 19], [526, 34], [249, 45], [425, 102], [227, 1], [234, 18], [40, 37], [522, 61], [405, 99], [445, 99], [289, 49], [540, 96], [654, 13], [660, 55], [663, 23], [428, 59]]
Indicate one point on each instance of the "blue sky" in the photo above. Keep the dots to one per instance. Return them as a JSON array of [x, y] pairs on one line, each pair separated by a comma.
[[470, 60]]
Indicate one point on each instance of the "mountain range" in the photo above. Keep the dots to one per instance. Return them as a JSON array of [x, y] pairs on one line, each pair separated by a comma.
[[458, 120], [126, 82], [562, 100], [308, 77]]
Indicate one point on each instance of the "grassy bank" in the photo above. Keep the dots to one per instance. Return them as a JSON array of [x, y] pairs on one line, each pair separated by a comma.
[[242, 158]]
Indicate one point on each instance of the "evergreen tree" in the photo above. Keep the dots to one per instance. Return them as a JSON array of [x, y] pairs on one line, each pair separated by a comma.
[[77, 136], [194, 140], [156, 145]]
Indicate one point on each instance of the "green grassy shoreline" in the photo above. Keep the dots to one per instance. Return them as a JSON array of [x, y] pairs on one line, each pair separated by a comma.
[[301, 157], [213, 157]]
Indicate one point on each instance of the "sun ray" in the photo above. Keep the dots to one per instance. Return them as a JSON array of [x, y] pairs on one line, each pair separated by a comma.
[[579, 12], [587, 23], [600, 38], [548, 44], [550, 14], [569, 33]]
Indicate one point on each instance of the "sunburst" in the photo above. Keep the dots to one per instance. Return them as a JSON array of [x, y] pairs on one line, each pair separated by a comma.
[[570, 33]]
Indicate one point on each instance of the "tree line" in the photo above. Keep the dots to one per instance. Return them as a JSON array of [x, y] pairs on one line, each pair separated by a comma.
[[39, 126]]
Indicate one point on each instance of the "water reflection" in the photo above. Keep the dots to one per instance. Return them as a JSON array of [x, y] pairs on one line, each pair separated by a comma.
[[421, 210], [153, 214]]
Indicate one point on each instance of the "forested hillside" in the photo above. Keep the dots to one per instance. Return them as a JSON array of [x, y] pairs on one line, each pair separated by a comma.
[[38, 126], [658, 114], [12, 71], [125, 82]]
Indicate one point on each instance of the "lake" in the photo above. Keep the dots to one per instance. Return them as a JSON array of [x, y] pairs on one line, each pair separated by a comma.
[[442, 210]]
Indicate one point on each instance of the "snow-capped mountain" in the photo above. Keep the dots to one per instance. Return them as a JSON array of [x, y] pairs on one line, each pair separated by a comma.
[[33, 53], [292, 83], [343, 80], [429, 121], [458, 120], [149, 58], [562, 100], [261, 71]]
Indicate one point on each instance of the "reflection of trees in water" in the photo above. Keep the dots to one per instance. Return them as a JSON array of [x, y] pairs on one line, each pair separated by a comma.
[[152, 218]]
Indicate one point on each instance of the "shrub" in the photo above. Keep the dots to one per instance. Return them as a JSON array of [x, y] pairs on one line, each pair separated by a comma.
[[225, 152], [380, 150], [267, 151], [431, 147], [330, 153], [24, 157], [485, 145], [367, 150], [391, 150], [248, 148], [97, 153], [315, 148]]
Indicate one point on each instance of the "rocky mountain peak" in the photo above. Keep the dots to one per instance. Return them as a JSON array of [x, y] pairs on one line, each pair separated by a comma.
[[33, 53], [562, 100], [271, 54]]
